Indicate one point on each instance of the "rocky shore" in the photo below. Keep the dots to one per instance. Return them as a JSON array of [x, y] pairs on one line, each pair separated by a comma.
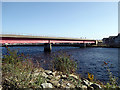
[[19, 72], [59, 80], [56, 79]]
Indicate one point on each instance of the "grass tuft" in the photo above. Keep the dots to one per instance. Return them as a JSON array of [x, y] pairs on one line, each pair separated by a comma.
[[64, 63]]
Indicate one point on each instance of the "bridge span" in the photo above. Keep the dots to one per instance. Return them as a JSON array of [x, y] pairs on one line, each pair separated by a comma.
[[47, 41]]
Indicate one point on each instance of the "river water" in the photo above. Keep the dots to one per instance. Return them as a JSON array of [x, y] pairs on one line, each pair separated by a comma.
[[88, 59]]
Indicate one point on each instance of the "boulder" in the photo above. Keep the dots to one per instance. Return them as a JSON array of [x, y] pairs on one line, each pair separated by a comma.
[[54, 73], [0, 87], [90, 88], [96, 86], [60, 81], [46, 85], [63, 85], [70, 85], [44, 74], [86, 82], [84, 87], [55, 83], [36, 74], [57, 77], [74, 76], [63, 77], [60, 73], [48, 72], [38, 70], [50, 77]]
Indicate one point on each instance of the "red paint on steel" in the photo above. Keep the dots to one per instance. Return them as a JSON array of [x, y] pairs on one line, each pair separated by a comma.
[[43, 41], [38, 40], [23, 41]]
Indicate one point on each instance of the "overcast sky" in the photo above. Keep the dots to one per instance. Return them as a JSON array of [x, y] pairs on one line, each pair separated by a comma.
[[93, 20]]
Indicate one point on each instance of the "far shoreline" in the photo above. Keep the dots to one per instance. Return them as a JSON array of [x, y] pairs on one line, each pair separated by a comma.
[[96, 46]]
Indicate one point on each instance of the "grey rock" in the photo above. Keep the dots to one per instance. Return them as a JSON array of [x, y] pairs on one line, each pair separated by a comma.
[[50, 77], [60, 81], [84, 87], [96, 86], [0, 87], [86, 82], [74, 76], [36, 71], [47, 85], [55, 83], [70, 85], [39, 70], [58, 77], [54, 73], [48, 72], [90, 88], [67, 87], [63, 77], [36, 74], [63, 85], [44, 75]]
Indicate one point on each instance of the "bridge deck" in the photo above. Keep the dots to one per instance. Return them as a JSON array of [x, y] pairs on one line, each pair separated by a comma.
[[39, 39]]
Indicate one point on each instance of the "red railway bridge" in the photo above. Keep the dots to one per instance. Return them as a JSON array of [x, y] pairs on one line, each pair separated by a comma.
[[47, 41]]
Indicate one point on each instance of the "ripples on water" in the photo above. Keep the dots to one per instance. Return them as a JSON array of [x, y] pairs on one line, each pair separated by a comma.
[[89, 59]]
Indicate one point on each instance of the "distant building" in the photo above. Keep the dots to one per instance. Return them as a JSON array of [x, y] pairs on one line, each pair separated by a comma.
[[117, 39], [105, 41], [112, 41]]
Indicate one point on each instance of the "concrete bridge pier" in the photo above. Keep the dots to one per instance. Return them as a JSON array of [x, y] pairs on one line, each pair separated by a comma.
[[82, 45], [47, 47]]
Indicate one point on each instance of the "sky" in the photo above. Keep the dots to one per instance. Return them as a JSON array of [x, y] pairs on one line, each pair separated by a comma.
[[91, 20]]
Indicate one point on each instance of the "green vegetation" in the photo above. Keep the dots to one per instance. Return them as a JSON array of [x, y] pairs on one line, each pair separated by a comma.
[[63, 63], [112, 79], [17, 71]]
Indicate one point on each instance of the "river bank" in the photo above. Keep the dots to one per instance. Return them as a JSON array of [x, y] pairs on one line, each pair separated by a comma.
[[19, 72], [40, 78], [56, 79], [104, 46]]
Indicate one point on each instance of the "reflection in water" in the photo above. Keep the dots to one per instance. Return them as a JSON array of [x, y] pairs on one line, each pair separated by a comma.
[[89, 59]]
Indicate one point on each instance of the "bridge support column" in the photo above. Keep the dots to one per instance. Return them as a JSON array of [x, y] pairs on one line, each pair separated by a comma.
[[47, 47], [82, 45]]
